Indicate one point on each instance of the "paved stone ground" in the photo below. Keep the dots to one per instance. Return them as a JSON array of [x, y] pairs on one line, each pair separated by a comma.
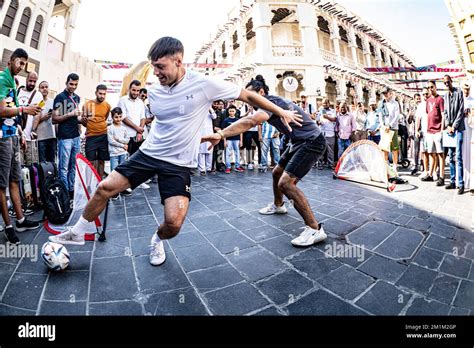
[[406, 253]]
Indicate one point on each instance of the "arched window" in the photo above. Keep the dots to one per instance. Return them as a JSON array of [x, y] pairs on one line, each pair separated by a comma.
[[35, 38], [23, 27], [323, 25], [359, 42], [249, 30], [10, 18], [343, 34], [382, 54], [224, 54], [235, 40]]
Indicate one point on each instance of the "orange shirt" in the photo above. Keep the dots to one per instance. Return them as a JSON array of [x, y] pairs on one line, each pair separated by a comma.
[[97, 121]]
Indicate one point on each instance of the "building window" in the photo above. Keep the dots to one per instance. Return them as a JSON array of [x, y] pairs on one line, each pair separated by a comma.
[[470, 45], [1, 4], [23, 27], [35, 38], [280, 15], [461, 24], [249, 30], [343, 34], [382, 54], [224, 54], [391, 62], [323, 25], [359, 42], [10, 18], [235, 39]]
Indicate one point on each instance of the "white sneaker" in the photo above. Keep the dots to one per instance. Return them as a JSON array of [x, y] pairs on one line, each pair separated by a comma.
[[68, 238], [144, 186], [273, 209], [148, 181], [250, 166], [157, 251], [309, 237]]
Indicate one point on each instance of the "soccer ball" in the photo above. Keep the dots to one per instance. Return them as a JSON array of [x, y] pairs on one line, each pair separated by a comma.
[[55, 256]]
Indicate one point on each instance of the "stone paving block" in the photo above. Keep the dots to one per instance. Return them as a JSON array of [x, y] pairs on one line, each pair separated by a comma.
[[222, 302], [445, 245], [418, 279], [280, 246], [314, 263], [419, 224], [136, 221], [80, 261], [6, 271], [401, 245], [140, 247], [112, 279], [321, 302], [337, 282], [67, 286], [179, 302], [116, 222], [464, 236], [136, 213], [199, 257], [270, 311], [444, 289], [455, 311], [187, 240], [262, 233], [230, 241], [12, 311], [286, 287], [30, 265], [443, 230], [429, 258], [457, 266], [233, 214], [354, 217], [215, 277], [30, 286], [386, 215], [382, 268], [371, 234], [247, 260], [120, 308], [294, 229], [424, 307], [338, 227], [329, 209], [210, 224], [384, 299], [403, 219], [54, 308], [116, 245], [142, 231], [464, 297], [168, 276]]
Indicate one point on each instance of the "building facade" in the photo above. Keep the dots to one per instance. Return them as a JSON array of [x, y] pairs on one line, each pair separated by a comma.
[[462, 29], [44, 29], [318, 49]]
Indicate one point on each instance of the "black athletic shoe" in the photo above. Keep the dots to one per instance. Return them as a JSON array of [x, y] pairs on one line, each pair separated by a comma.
[[428, 178], [26, 225], [11, 236], [440, 182], [450, 186], [461, 191]]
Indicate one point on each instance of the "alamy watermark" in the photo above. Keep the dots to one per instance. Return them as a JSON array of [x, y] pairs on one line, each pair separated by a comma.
[[345, 251], [11, 251]]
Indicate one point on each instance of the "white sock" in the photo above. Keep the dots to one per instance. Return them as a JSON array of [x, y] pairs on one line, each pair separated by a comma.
[[81, 227], [21, 220]]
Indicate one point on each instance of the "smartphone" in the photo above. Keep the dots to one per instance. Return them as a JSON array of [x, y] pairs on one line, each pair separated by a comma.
[[41, 104]]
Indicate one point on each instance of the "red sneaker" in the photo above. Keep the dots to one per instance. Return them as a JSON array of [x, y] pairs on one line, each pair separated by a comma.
[[227, 171], [240, 170]]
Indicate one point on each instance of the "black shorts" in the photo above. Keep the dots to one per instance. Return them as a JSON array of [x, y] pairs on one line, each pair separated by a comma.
[[172, 180], [250, 140], [300, 157], [97, 148]]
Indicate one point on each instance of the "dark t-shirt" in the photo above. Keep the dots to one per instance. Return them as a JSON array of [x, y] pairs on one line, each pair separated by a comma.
[[65, 103], [307, 130], [226, 123], [435, 109]]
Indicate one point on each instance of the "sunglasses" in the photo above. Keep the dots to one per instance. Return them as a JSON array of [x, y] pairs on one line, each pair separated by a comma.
[[425, 94]]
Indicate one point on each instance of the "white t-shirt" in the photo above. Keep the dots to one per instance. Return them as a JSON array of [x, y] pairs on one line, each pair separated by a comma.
[[422, 116], [46, 129], [134, 110], [180, 112], [23, 99]]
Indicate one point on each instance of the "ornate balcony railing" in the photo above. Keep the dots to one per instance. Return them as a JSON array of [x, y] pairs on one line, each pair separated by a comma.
[[288, 51]]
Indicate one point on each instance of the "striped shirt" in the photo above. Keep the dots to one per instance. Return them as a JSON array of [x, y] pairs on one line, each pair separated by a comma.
[[268, 131]]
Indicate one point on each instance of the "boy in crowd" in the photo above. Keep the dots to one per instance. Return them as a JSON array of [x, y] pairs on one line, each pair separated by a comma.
[[232, 143]]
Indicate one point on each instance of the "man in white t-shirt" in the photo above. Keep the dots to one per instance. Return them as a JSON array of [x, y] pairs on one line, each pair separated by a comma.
[[421, 129], [181, 103], [26, 97]]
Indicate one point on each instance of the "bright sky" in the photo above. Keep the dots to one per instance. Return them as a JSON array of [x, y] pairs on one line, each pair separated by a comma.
[[123, 31], [116, 30]]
